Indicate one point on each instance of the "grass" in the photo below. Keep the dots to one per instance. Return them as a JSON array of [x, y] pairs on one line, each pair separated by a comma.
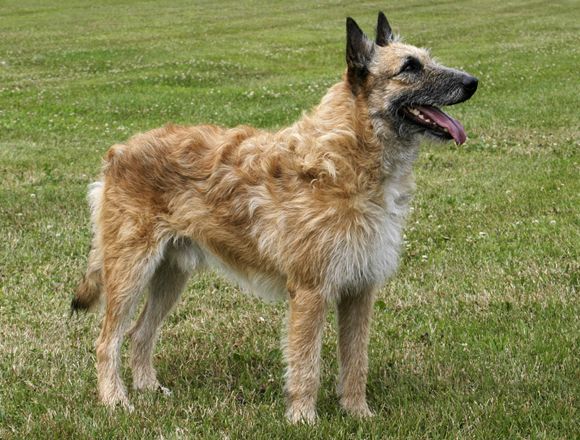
[[476, 337]]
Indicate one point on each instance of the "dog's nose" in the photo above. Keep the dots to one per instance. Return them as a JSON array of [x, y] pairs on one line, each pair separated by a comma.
[[469, 84]]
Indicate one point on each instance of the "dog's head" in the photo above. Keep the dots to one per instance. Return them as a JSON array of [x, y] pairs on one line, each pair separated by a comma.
[[403, 86]]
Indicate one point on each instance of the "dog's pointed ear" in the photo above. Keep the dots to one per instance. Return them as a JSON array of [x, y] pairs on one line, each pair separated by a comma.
[[384, 31], [359, 52]]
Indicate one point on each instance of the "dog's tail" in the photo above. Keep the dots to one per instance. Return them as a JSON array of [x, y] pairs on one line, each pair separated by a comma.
[[88, 292]]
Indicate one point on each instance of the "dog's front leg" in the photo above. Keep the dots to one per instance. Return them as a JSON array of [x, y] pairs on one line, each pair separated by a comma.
[[354, 316], [304, 340]]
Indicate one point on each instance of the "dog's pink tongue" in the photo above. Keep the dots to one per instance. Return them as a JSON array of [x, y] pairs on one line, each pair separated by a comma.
[[444, 120]]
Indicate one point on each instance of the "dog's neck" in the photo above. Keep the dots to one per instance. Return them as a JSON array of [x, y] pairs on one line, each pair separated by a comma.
[[399, 153], [370, 144]]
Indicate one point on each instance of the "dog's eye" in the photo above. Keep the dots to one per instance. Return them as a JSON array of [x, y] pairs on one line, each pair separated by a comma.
[[411, 65]]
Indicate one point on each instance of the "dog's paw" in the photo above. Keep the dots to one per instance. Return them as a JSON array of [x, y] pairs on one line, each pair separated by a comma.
[[301, 414], [145, 381], [356, 408], [148, 382], [113, 393], [118, 399]]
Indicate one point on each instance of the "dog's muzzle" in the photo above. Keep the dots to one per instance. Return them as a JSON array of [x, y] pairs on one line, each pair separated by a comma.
[[469, 85]]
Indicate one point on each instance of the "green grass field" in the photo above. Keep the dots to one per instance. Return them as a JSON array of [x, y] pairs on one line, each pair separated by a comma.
[[478, 335]]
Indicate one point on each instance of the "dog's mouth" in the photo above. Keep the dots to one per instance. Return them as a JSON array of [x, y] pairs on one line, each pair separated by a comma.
[[436, 122]]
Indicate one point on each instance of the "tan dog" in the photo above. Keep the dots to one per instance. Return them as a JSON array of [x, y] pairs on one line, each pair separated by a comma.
[[312, 213]]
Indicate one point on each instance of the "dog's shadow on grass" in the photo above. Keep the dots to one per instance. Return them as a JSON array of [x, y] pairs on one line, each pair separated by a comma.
[[242, 375], [233, 371], [394, 389]]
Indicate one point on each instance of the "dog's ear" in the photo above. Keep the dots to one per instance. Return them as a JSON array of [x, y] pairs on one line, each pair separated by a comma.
[[359, 52], [384, 31]]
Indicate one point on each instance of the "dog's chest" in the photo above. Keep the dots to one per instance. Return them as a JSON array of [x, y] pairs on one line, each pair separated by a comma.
[[369, 253], [386, 248]]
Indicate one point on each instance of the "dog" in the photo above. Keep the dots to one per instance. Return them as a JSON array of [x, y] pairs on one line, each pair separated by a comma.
[[312, 213]]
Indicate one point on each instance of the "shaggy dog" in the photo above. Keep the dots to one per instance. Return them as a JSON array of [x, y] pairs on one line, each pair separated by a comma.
[[312, 213]]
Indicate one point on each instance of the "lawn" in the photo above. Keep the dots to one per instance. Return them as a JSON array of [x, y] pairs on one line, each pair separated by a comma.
[[477, 336]]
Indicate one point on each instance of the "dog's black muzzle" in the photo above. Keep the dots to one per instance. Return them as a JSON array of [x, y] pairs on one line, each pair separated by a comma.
[[469, 86]]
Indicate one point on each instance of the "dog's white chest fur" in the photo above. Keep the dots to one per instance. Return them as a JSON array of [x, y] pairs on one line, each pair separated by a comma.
[[385, 250], [368, 256]]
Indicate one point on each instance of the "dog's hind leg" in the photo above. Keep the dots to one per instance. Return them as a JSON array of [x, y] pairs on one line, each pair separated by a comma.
[[127, 270], [354, 316], [165, 289]]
